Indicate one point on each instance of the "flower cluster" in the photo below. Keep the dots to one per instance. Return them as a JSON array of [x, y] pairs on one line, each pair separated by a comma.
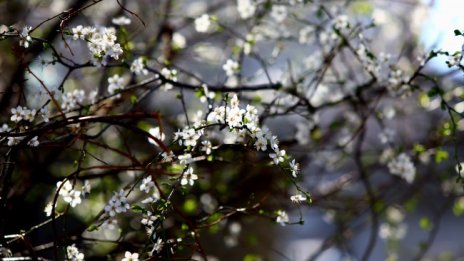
[[24, 37], [22, 113], [73, 254], [71, 195], [72, 100], [115, 84], [282, 217], [149, 187], [101, 42], [392, 230], [246, 8], [117, 204], [128, 256], [203, 23], [23, 116], [170, 74], [121, 20], [188, 178], [231, 67], [403, 167], [138, 67], [243, 121]]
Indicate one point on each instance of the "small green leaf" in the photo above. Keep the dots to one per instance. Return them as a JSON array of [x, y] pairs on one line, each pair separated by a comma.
[[441, 155], [190, 206], [457, 32], [92, 228], [458, 207], [252, 257], [418, 148], [137, 209], [133, 99], [184, 227], [435, 91], [425, 223]]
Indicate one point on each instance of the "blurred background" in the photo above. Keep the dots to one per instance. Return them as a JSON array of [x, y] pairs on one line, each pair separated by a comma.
[[418, 221]]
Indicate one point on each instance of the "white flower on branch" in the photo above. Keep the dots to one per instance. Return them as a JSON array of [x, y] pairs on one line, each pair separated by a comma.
[[128, 256], [188, 177], [115, 83], [403, 167], [203, 23], [231, 67], [24, 37], [298, 198], [138, 67], [279, 13], [282, 217], [121, 20], [73, 254], [246, 8]]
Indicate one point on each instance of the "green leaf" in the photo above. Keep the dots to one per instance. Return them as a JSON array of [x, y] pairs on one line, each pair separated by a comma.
[[138, 209], [199, 92], [362, 8], [252, 257], [190, 206], [184, 227], [457, 32], [419, 148], [410, 205], [458, 207], [133, 99], [435, 91], [425, 223], [92, 228], [441, 155]]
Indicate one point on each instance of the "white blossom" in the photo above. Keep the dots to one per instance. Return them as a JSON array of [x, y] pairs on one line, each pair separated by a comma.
[[282, 217], [341, 22], [73, 254], [278, 156], [45, 114], [117, 204], [392, 232], [157, 246], [188, 177], [206, 146], [5, 128], [294, 167], [79, 32], [230, 67], [298, 198], [121, 20], [71, 100], [34, 142], [147, 184], [101, 43], [115, 83], [14, 140], [128, 256], [69, 194], [279, 13], [403, 167], [170, 75], [203, 23], [24, 37], [155, 132], [246, 8], [178, 41], [138, 67], [17, 114]]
